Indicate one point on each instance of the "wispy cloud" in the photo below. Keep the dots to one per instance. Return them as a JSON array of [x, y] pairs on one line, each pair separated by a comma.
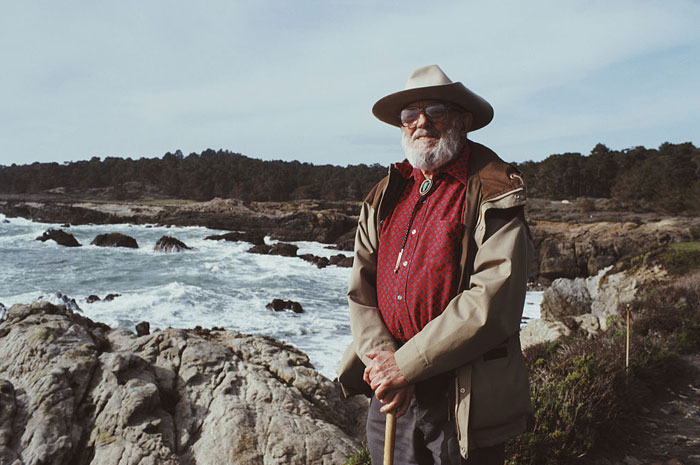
[[277, 79]]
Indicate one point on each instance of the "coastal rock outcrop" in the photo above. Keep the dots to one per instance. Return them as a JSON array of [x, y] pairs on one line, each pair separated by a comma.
[[570, 250], [584, 305], [170, 244], [60, 237], [115, 240], [341, 260], [565, 297], [239, 236], [75, 391], [320, 262], [279, 304], [280, 248]]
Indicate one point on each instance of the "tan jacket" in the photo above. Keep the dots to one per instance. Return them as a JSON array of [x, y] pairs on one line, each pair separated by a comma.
[[477, 335]]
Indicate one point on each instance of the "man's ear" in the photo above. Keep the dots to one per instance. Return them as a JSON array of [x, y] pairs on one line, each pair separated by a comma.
[[468, 120]]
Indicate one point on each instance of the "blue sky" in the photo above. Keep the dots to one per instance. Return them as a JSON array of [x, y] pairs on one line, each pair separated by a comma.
[[297, 80]]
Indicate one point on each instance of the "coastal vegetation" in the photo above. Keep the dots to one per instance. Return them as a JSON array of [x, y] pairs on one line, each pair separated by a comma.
[[666, 179]]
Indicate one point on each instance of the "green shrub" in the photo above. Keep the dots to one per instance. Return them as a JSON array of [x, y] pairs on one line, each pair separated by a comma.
[[581, 393], [681, 257], [361, 457]]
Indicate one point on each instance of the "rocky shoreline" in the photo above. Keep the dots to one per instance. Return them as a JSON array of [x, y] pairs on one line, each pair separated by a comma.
[[79, 392], [568, 243]]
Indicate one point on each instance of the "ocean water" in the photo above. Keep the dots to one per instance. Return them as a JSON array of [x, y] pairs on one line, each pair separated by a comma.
[[216, 284]]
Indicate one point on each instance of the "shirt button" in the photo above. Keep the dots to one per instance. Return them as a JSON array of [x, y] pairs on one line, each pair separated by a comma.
[[398, 297], [462, 390], [414, 231], [405, 263]]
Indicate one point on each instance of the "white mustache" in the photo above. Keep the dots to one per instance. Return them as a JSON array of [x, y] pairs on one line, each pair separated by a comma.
[[424, 132]]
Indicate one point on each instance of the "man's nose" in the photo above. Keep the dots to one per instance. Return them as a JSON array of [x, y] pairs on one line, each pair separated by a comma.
[[422, 120]]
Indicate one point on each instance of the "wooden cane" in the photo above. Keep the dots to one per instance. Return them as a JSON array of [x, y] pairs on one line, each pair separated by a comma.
[[389, 436]]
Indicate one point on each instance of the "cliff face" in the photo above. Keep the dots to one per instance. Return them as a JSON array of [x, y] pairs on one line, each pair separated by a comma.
[[77, 392]]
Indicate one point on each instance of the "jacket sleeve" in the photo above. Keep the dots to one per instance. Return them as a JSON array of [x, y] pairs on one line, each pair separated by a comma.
[[484, 315], [368, 329]]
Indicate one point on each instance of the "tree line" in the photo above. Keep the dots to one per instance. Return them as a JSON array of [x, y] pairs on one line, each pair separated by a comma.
[[667, 178]]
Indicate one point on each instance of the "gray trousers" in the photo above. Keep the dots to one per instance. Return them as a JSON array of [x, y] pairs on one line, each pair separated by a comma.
[[426, 434]]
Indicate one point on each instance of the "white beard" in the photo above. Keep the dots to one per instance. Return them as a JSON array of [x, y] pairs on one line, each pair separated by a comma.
[[431, 158]]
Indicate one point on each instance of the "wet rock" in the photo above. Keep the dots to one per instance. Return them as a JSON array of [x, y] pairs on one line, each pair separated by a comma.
[[239, 236], [115, 240], [111, 297], [279, 305], [280, 248], [170, 244], [60, 237], [92, 394], [92, 298], [320, 262], [69, 302], [341, 260], [143, 328]]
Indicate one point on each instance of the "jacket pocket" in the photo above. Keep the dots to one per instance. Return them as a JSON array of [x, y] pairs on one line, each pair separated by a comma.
[[500, 389]]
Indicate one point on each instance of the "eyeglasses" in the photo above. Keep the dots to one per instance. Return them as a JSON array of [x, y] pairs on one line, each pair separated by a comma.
[[435, 112]]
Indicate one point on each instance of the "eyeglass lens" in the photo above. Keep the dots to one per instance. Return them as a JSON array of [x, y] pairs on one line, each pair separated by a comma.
[[434, 112]]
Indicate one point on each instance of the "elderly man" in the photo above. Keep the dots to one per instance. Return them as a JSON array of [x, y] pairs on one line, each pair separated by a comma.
[[438, 285]]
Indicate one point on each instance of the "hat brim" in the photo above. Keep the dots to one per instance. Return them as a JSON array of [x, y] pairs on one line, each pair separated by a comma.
[[388, 109]]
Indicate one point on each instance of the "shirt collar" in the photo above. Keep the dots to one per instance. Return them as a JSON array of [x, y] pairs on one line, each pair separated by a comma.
[[458, 168]]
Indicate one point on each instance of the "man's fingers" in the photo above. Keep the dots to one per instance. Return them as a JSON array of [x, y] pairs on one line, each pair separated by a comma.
[[390, 406], [365, 377], [403, 405], [380, 391]]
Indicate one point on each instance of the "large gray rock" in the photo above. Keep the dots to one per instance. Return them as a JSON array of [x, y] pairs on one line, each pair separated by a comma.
[[74, 391], [537, 331], [565, 297]]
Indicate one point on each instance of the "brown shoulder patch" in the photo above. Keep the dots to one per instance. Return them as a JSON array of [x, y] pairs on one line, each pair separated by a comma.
[[496, 176]]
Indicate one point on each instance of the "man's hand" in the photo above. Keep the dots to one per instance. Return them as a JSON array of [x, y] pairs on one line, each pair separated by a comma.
[[398, 400], [383, 374]]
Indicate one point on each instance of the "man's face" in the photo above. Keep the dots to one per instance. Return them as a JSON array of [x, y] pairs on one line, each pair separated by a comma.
[[433, 132], [433, 119]]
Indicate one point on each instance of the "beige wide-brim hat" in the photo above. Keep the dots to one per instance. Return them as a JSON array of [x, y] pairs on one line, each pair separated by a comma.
[[431, 83]]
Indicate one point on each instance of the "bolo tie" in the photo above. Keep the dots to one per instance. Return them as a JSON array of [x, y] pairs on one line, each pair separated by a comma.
[[426, 187]]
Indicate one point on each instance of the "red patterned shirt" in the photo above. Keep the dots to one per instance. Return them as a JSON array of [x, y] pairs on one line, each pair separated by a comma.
[[427, 275]]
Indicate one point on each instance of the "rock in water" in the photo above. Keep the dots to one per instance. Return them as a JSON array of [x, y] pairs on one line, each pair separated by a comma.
[[235, 236], [170, 244], [279, 305], [74, 391], [115, 240], [280, 248], [60, 237], [143, 328]]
